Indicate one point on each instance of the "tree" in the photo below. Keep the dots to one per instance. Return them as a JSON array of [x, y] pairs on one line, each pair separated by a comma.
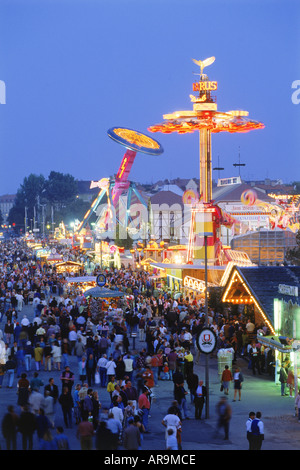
[[28, 196], [60, 189], [76, 209]]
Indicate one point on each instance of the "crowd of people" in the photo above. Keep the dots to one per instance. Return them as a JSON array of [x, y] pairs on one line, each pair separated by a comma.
[[62, 329]]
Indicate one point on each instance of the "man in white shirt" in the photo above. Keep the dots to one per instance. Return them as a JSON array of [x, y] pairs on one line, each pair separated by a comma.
[[248, 428], [101, 368], [37, 320], [20, 300], [72, 338], [24, 321], [257, 432], [116, 411], [171, 421], [128, 361]]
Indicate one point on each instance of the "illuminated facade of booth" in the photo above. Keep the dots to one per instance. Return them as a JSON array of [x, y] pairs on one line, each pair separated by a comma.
[[187, 279], [270, 294], [237, 291], [69, 267]]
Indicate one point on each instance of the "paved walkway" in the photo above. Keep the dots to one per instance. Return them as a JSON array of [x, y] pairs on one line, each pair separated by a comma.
[[282, 431]]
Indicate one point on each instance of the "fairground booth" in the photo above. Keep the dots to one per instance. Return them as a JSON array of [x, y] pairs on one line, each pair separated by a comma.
[[69, 267], [100, 299], [268, 295]]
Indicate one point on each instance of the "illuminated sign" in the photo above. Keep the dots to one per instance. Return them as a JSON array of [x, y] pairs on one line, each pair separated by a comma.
[[206, 341], [101, 280], [288, 290], [205, 86], [195, 284]]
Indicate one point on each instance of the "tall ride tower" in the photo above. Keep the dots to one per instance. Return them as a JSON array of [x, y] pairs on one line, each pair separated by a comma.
[[206, 119]]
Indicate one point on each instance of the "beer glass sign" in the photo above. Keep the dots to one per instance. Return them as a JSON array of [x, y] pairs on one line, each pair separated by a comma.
[[206, 341]]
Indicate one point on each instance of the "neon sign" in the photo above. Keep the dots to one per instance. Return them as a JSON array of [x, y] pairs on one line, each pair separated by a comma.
[[205, 86], [195, 284], [288, 290]]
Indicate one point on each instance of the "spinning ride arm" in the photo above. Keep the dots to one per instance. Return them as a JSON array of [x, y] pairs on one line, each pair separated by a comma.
[[121, 181]]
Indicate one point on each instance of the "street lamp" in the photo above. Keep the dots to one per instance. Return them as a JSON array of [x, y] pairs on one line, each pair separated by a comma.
[[205, 235]]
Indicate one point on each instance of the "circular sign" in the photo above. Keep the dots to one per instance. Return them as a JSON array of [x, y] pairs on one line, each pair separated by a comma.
[[135, 140], [206, 341], [101, 280]]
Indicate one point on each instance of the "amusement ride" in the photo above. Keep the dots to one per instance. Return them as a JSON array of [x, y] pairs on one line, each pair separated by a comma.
[[206, 217], [134, 142]]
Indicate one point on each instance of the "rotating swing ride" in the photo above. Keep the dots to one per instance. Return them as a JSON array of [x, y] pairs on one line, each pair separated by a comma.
[[207, 120], [134, 142]]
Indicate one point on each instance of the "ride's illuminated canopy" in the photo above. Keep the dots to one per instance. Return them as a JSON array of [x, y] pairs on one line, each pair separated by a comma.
[[184, 122], [204, 115]]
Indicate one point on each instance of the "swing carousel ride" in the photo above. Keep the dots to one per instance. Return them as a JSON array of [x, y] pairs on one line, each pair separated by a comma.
[[206, 217]]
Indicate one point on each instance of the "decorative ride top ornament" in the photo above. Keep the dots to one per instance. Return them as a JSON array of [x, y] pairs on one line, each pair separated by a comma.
[[204, 63]]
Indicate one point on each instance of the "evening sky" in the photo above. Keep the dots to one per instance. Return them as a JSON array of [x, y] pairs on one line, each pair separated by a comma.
[[75, 68]]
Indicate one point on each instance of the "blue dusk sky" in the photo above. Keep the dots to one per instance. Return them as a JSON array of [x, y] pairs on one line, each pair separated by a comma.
[[73, 69]]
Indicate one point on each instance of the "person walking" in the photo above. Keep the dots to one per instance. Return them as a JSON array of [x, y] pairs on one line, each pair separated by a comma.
[[56, 355], [43, 424], [257, 431], [200, 395], [171, 441], [67, 378], [52, 388], [224, 416], [85, 433], [297, 406], [132, 436], [90, 369], [82, 369], [283, 380], [10, 427], [104, 437], [144, 405], [61, 440], [291, 381], [27, 427], [238, 379], [111, 368], [66, 402], [101, 368], [48, 407], [254, 353], [23, 390], [47, 442], [38, 353], [87, 405], [171, 421], [226, 379], [10, 367], [180, 396], [248, 428], [29, 354], [115, 428], [47, 356], [35, 401]]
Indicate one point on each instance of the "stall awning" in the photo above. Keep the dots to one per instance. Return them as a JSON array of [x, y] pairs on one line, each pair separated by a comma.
[[81, 279], [273, 342], [101, 292]]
